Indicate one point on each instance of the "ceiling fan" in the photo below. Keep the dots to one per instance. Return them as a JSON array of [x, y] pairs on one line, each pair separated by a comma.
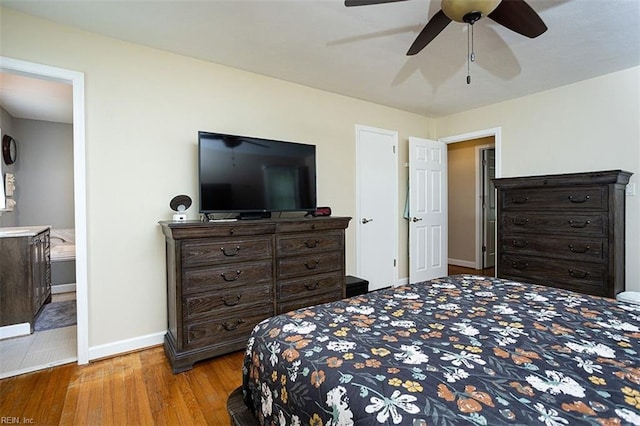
[[516, 15]]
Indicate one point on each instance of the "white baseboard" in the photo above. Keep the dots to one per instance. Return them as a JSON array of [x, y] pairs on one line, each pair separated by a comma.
[[463, 263], [15, 330], [63, 288], [124, 346]]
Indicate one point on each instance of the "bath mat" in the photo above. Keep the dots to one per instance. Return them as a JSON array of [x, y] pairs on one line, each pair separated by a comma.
[[57, 315]]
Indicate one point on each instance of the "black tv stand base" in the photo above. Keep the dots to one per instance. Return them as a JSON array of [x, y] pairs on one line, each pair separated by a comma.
[[254, 216]]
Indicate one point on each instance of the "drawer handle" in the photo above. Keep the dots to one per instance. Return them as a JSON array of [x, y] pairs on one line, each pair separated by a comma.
[[576, 250], [579, 201], [517, 264], [229, 279], [230, 253], [520, 200], [311, 243], [313, 265], [520, 221], [232, 301], [578, 274], [232, 231], [230, 325], [519, 243], [312, 286], [579, 224]]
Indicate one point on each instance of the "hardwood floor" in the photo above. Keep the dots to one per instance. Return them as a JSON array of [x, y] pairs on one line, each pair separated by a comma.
[[131, 389], [136, 388]]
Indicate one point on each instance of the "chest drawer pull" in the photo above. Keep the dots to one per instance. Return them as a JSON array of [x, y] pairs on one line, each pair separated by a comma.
[[232, 301], [579, 250], [578, 274], [520, 200], [229, 279], [232, 325], [579, 201], [312, 286], [312, 265], [519, 243], [517, 264], [520, 221], [579, 224], [311, 243], [230, 252]]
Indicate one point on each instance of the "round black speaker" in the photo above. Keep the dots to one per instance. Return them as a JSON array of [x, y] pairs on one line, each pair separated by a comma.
[[180, 203]]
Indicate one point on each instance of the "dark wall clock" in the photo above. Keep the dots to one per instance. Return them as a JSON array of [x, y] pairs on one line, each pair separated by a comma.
[[9, 149]]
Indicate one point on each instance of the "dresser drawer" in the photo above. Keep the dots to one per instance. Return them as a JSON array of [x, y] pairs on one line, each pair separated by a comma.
[[209, 252], [309, 264], [593, 198], [594, 225], [310, 286], [573, 275], [309, 243], [313, 224], [222, 276], [234, 300], [307, 301], [573, 248], [223, 330]]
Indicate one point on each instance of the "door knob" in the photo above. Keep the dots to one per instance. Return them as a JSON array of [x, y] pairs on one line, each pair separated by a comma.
[[416, 219], [365, 220]]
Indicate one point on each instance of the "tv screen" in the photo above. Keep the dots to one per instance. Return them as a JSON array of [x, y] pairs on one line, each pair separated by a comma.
[[244, 174]]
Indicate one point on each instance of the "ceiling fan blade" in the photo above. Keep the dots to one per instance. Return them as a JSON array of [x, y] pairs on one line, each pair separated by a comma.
[[434, 27], [518, 16], [350, 3]]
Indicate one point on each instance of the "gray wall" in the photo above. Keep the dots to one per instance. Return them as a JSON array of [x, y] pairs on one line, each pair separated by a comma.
[[43, 171], [6, 124]]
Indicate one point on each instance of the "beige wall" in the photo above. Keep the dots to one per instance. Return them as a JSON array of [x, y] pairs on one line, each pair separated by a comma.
[[586, 126], [143, 110], [462, 168]]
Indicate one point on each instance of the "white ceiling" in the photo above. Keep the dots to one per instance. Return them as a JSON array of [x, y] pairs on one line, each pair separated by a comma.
[[360, 51]]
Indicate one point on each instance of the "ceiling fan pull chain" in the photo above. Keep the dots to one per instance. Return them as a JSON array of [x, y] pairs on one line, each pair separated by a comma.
[[469, 29]]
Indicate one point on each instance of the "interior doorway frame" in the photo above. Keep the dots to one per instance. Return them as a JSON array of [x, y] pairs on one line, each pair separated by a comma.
[[496, 132], [76, 80]]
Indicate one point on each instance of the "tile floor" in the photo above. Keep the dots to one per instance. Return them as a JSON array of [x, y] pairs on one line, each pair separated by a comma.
[[39, 350]]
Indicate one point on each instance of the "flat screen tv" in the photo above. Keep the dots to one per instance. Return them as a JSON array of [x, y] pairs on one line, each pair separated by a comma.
[[253, 176]]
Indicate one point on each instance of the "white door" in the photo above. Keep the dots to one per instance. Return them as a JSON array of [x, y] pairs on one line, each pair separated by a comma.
[[488, 208], [377, 206], [428, 250]]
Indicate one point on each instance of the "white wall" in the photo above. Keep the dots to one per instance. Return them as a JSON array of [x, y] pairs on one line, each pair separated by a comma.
[[587, 126], [143, 110]]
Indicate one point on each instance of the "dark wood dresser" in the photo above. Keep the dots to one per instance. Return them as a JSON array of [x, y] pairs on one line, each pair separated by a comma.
[[563, 231], [225, 277]]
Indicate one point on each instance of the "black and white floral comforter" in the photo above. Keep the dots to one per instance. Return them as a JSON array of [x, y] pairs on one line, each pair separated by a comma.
[[455, 350]]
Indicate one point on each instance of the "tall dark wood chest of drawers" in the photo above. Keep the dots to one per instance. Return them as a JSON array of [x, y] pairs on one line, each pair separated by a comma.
[[225, 277], [564, 231]]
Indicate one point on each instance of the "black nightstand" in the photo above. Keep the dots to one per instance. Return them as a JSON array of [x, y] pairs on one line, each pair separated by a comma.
[[356, 286]]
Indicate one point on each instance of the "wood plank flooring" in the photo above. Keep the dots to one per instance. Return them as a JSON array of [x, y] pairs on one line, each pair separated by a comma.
[[132, 389]]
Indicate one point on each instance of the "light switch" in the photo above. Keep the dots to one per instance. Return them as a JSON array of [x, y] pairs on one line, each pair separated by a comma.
[[631, 189]]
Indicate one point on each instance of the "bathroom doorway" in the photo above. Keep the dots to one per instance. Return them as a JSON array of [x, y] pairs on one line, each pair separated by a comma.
[[27, 353]]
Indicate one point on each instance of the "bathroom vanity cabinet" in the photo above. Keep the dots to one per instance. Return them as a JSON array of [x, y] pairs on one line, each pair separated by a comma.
[[25, 274]]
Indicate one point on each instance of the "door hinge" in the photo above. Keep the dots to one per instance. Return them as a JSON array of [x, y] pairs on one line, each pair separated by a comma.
[[484, 249], [394, 149], [394, 262]]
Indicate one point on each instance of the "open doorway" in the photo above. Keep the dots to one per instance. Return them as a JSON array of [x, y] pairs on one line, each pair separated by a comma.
[[473, 160], [78, 340]]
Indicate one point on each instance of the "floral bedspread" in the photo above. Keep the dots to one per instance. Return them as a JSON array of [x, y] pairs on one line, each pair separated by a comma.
[[455, 350]]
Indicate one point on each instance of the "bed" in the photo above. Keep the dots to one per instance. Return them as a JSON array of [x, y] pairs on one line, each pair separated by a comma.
[[455, 350]]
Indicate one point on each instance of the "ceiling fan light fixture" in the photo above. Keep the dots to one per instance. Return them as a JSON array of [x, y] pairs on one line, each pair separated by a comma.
[[466, 10]]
